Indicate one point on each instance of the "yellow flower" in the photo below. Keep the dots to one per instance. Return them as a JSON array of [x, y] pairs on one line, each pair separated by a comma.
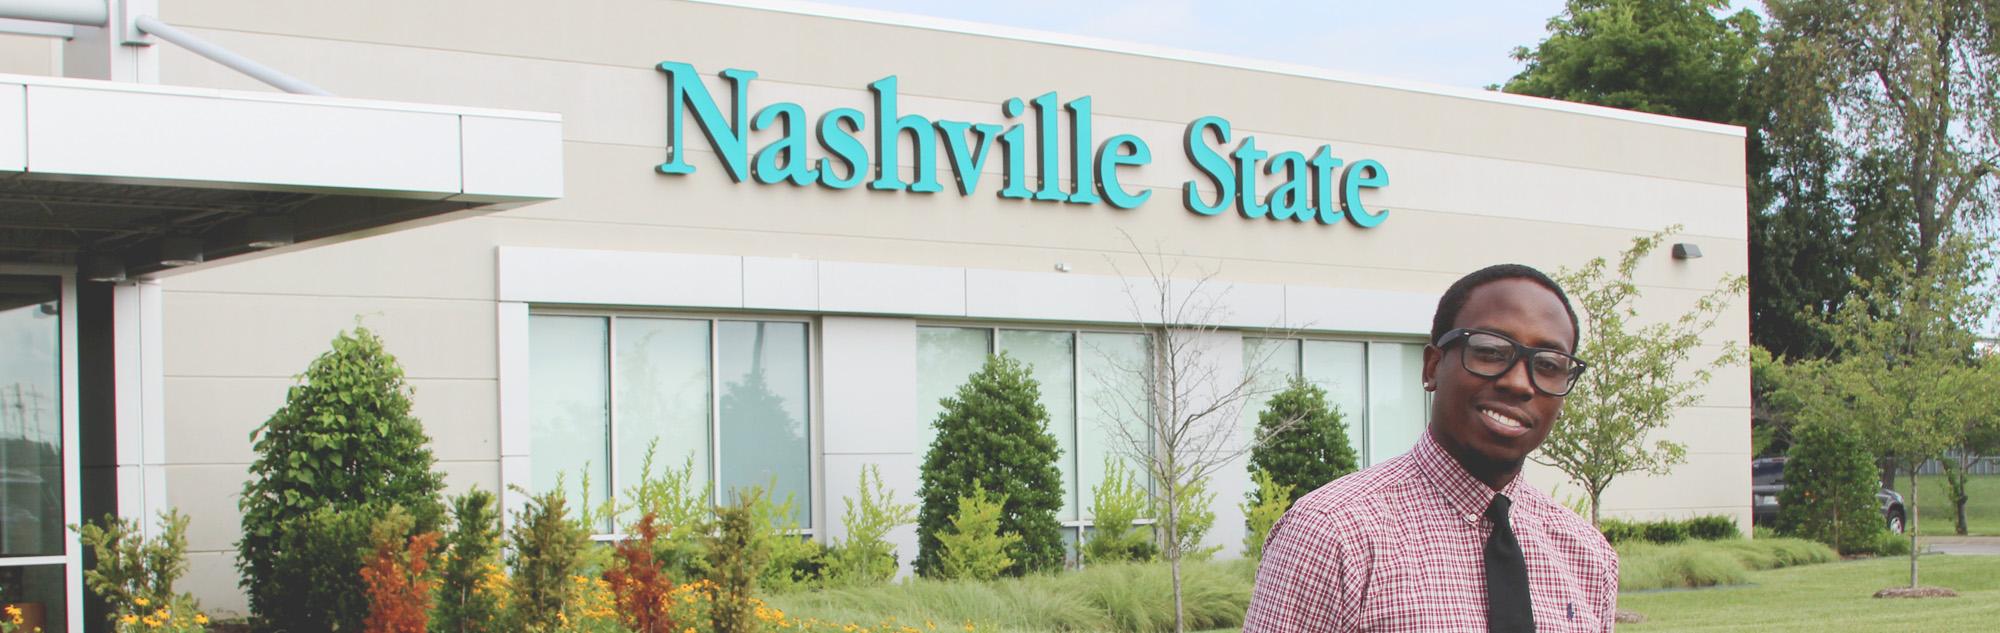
[[130, 619], [200, 619]]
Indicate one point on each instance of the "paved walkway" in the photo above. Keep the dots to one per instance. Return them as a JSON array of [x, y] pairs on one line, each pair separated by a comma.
[[1962, 544]]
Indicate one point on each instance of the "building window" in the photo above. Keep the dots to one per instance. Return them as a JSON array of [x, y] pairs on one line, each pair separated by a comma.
[[1378, 386], [733, 396], [1086, 378]]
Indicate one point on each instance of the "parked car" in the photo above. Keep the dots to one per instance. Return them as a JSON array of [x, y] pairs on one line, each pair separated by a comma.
[[1767, 478]]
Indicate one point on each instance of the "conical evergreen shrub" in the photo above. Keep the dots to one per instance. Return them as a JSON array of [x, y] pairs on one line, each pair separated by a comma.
[[341, 452], [995, 433], [1829, 496], [1309, 454]]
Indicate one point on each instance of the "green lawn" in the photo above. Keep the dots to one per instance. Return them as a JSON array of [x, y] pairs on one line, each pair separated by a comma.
[[1982, 513], [1832, 598]]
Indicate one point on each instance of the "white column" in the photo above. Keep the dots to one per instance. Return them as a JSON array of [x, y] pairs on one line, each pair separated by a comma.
[[139, 369], [868, 369], [515, 426]]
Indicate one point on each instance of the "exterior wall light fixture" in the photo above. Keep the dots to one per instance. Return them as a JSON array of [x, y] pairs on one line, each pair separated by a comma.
[[1685, 250], [180, 251], [268, 231]]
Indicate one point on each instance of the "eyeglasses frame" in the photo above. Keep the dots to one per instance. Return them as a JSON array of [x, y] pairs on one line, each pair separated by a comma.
[[1520, 352]]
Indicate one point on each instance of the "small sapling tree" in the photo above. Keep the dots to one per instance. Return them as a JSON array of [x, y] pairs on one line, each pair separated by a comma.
[[1639, 374]]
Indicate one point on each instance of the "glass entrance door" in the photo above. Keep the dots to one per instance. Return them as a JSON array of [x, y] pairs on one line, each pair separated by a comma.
[[34, 573]]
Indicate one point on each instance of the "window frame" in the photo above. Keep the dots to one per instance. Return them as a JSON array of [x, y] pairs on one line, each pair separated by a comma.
[[810, 519]]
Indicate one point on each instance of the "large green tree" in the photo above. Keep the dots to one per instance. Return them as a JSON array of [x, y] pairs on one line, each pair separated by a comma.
[[1672, 57], [1903, 380], [1642, 372], [994, 435]]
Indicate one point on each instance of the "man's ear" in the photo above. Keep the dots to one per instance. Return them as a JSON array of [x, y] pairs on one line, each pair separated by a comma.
[[1431, 357]]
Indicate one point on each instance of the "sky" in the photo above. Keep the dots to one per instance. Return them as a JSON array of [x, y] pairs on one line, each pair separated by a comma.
[[1464, 43]]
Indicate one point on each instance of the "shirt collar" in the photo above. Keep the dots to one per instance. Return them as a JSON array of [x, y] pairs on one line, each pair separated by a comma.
[[1467, 495]]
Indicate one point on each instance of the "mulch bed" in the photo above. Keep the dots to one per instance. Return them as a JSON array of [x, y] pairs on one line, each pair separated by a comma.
[[1916, 592]]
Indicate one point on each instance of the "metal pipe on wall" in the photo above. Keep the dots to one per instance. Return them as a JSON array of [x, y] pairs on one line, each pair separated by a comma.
[[223, 56], [77, 12]]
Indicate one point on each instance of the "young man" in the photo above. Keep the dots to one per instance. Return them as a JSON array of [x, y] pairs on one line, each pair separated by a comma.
[[1449, 537]]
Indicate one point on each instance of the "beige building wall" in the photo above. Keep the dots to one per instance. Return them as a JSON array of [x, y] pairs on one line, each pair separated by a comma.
[[1477, 178]]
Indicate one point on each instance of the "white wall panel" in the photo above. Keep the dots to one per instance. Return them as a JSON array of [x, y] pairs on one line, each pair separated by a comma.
[[1005, 294], [771, 283], [886, 289], [544, 275], [216, 139], [869, 378]]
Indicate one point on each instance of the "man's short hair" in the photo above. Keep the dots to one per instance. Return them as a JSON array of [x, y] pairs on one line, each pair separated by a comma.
[[1454, 298]]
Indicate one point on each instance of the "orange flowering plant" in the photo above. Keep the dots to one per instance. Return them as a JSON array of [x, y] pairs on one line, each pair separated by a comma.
[[398, 577]]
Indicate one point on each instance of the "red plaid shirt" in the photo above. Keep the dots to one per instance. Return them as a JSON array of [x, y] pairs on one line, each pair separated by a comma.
[[1398, 547]]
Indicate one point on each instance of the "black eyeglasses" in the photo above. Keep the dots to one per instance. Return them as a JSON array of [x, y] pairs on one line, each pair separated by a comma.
[[1491, 355]]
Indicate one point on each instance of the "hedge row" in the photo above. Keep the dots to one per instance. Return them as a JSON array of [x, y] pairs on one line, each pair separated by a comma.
[[1667, 531]]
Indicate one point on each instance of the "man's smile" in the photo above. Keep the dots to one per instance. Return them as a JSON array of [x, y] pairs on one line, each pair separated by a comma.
[[1504, 423]]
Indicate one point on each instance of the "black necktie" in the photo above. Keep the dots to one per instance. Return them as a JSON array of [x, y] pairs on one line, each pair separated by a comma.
[[1508, 609]]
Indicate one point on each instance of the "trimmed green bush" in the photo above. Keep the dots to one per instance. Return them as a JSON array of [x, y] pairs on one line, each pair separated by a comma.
[[995, 430], [1713, 528], [1664, 532], [344, 443], [1312, 452], [1618, 531], [1829, 495]]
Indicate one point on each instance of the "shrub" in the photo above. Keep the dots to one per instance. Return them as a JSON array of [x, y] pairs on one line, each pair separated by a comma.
[[1197, 518], [464, 604], [344, 441], [1713, 528], [975, 548], [736, 563], [1618, 531], [995, 430], [1115, 505], [792, 561], [1664, 532], [1829, 495], [129, 570], [322, 551], [866, 557], [1312, 452], [548, 548], [397, 576], [642, 591], [683, 506], [1276, 499]]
